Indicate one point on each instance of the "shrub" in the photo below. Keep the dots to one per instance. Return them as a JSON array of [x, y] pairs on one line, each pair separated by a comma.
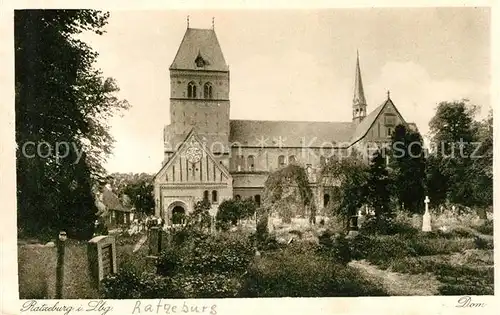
[[455, 232], [394, 226], [232, 210], [169, 262], [227, 252], [340, 250], [261, 228], [483, 243], [299, 271], [486, 227], [137, 261], [325, 238], [463, 280], [335, 247], [129, 285], [212, 285], [266, 242], [388, 226], [125, 285], [369, 226], [382, 249], [221, 253], [188, 233]]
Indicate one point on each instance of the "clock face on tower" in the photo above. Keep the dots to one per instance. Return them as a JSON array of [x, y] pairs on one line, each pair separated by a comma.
[[193, 154]]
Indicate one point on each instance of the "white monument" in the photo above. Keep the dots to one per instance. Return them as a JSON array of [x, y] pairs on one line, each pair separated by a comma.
[[426, 222]]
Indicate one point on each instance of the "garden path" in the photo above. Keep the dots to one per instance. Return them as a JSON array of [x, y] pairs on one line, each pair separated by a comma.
[[396, 283], [141, 242]]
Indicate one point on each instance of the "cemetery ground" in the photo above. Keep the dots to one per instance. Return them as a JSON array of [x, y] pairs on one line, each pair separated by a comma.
[[293, 260]]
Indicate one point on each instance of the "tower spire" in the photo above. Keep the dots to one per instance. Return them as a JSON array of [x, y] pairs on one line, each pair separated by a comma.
[[359, 93], [187, 20], [358, 101]]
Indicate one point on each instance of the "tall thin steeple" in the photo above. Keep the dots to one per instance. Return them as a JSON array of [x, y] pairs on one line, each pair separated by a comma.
[[358, 101]]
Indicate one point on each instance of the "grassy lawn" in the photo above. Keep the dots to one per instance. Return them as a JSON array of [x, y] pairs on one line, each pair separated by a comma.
[[37, 271], [37, 267]]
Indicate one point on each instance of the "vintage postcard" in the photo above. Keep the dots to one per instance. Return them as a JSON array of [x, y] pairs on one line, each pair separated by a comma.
[[219, 160]]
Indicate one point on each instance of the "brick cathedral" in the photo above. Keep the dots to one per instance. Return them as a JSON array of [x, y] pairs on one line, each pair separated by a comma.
[[208, 155]]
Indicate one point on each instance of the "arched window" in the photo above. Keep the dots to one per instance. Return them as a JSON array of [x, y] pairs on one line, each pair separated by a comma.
[[326, 200], [322, 161], [251, 163], [205, 195], [191, 90], [291, 159], [281, 161], [239, 163], [237, 197], [214, 196], [257, 200], [207, 90]]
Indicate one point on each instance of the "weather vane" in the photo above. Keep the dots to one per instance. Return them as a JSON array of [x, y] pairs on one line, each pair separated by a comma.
[[213, 23]]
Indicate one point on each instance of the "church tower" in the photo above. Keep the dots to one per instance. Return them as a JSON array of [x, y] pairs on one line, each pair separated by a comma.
[[358, 101], [199, 97]]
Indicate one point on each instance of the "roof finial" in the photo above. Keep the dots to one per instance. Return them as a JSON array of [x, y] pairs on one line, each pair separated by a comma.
[[213, 23], [188, 21], [388, 94]]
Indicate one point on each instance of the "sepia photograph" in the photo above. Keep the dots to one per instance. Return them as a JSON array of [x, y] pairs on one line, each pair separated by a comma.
[[211, 154]]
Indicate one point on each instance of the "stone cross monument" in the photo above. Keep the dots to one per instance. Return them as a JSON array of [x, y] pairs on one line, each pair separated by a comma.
[[426, 222]]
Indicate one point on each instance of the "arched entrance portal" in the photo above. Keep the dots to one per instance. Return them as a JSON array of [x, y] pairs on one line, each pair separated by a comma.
[[178, 215]]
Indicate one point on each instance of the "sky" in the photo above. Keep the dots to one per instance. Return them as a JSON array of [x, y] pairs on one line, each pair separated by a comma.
[[295, 65]]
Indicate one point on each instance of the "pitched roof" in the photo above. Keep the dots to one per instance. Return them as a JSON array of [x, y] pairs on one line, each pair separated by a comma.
[[365, 125], [367, 122], [111, 201], [265, 133], [199, 43]]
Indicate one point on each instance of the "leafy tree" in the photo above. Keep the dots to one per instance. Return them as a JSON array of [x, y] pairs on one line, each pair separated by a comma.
[[231, 211], [377, 186], [454, 134], [436, 180], [408, 168], [119, 181], [200, 217], [60, 98], [482, 164], [280, 191], [348, 195], [141, 195]]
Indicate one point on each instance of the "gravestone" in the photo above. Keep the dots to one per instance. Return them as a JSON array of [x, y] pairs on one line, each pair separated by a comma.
[[361, 218], [353, 223], [101, 253], [426, 220], [353, 226], [154, 241]]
